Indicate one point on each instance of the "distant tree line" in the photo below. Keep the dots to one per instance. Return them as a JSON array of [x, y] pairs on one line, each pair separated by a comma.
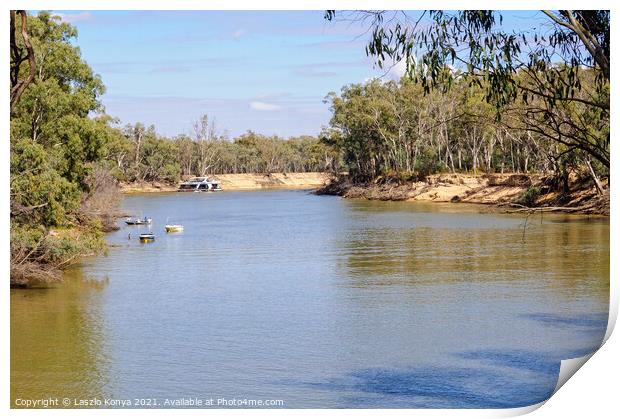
[[397, 129], [137, 153]]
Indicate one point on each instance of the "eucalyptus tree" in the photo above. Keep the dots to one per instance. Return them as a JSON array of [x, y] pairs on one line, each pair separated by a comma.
[[55, 145], [185, 154], [543, 68], [206, 138], [119, 152], [53, 111], [394, 130]]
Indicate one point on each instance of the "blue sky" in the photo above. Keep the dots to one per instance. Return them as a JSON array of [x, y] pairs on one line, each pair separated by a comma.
[[262, 71]]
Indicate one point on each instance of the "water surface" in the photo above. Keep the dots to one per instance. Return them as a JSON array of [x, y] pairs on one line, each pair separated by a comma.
[[320, 302]]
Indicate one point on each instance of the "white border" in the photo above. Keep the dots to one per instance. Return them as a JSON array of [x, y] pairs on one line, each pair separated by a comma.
[[593, 393], [302, 4]]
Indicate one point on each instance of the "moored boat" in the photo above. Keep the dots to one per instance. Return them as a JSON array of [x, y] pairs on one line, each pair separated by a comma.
[[147, 237], [173, 228], [200, 184], [134, 221]]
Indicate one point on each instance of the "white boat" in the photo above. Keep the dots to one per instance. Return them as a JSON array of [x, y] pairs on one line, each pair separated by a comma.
[[200, 184], [147, 237], [138, 221], [173, 228]]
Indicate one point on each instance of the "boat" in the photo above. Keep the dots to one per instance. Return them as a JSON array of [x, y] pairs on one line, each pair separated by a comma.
[[138, 221], [200, 184], [173, 228], [147, 237]]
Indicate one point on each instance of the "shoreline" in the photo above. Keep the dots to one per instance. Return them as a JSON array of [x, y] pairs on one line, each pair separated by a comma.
[[242, 182], [505, 192]]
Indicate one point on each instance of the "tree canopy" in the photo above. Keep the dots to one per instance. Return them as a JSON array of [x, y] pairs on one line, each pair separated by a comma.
[[546, 70], [393, 129]]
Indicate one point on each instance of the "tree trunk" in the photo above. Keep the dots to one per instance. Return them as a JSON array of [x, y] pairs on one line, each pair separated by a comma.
[[18, 86], [597, 182]]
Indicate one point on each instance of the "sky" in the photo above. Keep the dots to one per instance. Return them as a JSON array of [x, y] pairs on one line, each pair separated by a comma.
[[264, 71]]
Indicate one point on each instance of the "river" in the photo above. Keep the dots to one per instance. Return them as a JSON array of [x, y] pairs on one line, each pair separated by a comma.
[[318, 301]]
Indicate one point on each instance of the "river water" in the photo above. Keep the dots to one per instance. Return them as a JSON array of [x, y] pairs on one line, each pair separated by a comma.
[[319, 302]]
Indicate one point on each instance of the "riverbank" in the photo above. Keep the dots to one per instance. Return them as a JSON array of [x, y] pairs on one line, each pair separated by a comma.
[[510, 192], [242, 181], [56, 250]]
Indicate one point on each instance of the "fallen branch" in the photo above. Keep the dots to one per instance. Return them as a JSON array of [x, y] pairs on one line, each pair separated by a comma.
[[21, 209], [522, 208], [34, 248]]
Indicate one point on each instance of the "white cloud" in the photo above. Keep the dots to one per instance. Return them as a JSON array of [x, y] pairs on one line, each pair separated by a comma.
[[75, 17], [397, 71], [263, 106], [238, 34]]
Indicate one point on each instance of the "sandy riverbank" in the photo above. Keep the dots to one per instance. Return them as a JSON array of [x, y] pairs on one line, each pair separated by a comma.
[[243, 181], [273, 180], [504, 190]]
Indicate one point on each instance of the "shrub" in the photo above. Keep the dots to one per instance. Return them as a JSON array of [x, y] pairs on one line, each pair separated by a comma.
[[529, 197]]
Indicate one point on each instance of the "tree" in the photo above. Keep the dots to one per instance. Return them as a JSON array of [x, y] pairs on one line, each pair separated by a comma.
[[205, 136], [393, 131], [546, 71], [57, 149]]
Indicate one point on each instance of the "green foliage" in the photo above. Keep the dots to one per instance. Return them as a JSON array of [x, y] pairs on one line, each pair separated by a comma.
[[38, 254], [54, 146], [156, 158], [54, 110], [64, 245], [529, 197], [545, 68], [36, 184], [24, 238], [426, 165], [386, 127]]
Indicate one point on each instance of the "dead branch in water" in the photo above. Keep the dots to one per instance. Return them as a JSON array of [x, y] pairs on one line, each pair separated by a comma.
[[25, 273], [525, 209]]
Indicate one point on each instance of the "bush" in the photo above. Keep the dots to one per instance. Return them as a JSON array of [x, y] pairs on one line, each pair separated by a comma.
[[38, 254], [428, 166], [529, 197]]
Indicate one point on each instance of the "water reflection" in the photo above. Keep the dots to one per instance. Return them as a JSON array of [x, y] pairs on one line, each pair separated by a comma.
[[58, 340], [436, 245], [321, 302], [596, 321]]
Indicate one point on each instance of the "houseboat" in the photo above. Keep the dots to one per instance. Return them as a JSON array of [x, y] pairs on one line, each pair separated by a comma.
[[200, 184]]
